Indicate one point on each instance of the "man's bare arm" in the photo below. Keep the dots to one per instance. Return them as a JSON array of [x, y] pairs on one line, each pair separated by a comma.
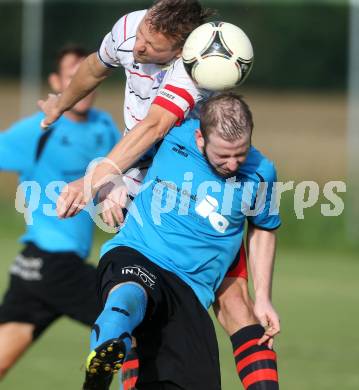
[[261, 246], [137, 142], [261, 254], [89, 75]]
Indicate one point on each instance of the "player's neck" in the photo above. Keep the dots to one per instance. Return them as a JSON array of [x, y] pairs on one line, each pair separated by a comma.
[[76, 116]]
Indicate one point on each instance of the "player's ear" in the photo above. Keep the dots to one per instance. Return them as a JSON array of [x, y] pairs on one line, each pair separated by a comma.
[[199, 139], [54, 82]]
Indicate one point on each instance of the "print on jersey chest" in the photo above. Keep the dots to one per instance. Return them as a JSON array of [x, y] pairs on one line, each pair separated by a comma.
[[144, 81], [210, 203]]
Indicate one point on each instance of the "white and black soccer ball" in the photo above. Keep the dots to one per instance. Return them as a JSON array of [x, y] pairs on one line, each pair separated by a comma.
[[218, 56]]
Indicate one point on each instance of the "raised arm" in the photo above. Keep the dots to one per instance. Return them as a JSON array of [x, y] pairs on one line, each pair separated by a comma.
[[89, 75]]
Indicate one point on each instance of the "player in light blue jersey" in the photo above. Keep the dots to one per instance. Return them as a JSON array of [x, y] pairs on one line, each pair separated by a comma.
[[50, 278], [159, 274]]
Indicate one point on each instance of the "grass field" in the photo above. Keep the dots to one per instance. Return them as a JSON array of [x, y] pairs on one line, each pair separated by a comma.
[[315, 293], [316, 279]]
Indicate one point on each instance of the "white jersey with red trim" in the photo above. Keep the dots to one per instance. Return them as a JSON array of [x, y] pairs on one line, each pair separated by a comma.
[[168, 86]]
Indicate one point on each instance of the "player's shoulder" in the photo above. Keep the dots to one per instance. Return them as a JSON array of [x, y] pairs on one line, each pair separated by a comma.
[[28, 123], [97, 115], [127, 25], [186, 128], [34, 118], [179, 80], [134, 18], [177, 69], [183, 134], [259, 167], [103, 118]]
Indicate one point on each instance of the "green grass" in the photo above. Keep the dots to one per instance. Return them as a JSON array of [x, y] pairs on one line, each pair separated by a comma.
[[316, 294]]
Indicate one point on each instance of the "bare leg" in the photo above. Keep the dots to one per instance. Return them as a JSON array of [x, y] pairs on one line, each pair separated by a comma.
[[234, 306], [15, 339]]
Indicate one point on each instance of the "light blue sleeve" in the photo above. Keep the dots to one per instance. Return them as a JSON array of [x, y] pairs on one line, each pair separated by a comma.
[[263, 201], [18, 144]]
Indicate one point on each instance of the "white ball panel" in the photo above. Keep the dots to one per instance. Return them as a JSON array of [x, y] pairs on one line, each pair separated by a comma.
[[216, 73], [198, 40], [237, 41]]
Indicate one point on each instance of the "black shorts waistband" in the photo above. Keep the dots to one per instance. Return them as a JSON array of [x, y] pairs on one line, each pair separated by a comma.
[[32, 250]]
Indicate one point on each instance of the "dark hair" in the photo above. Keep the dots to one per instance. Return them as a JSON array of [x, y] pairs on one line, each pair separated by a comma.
[[228, 115], [74, 49], [177, 18]]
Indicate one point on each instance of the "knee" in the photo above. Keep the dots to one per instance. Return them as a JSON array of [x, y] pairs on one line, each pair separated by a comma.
[[233, 297], [233, 306]]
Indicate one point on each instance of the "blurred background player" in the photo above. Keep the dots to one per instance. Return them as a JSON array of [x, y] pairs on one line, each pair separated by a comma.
[[143, 267], [49, 278]]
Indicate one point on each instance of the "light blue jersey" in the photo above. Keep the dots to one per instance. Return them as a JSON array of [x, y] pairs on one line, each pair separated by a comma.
[[190, 221], [61, 154]]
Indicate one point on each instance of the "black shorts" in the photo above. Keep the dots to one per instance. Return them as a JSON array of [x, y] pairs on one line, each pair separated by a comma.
[[44, 286], [176, 342]]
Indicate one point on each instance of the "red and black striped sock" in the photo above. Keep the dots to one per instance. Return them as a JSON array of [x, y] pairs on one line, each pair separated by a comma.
[[129, 371], [256, 364]]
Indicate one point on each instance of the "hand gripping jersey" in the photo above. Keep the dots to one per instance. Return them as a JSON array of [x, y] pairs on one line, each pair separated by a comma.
[[190, 221], [167, 86]]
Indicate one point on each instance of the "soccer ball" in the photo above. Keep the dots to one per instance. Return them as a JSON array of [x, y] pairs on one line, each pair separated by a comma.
[[218, 56]]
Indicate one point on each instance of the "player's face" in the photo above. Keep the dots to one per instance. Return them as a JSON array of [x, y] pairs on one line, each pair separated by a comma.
[[225, 157], [68, 67], [153, 47]]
